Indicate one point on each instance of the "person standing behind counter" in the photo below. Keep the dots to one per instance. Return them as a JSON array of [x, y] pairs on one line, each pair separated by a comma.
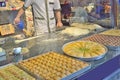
[[43, 12]]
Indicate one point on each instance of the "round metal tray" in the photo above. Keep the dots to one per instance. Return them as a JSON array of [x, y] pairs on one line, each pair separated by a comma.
[[84, 58]]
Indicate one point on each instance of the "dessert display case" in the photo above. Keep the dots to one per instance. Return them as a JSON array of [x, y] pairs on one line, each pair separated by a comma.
[[43, 57], [47, 43]]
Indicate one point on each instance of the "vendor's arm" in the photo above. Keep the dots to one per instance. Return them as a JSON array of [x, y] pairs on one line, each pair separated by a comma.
[[58, 18], [17, 19], [57, 9], [21, 11]]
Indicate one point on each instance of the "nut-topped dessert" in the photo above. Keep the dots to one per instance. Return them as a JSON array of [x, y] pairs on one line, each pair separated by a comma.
[[52, 66]]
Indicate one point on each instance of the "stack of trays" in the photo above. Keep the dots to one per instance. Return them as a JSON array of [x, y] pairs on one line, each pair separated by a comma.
[[53, 66], [112, 42], [11, 72]]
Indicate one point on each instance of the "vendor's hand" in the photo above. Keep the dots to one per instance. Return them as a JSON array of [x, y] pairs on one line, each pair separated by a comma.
[[59, 24], [16, 20]]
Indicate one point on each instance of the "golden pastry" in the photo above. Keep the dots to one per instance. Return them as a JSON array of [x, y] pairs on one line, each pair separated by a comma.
[[84, 49], [113, 32], [12, 72], [50, 67]]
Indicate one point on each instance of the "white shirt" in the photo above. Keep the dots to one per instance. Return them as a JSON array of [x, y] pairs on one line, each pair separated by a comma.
[[43, 11]]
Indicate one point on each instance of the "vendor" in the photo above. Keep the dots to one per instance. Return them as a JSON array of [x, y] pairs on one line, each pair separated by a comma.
[[107, 9], [66, 8], [43, 10]]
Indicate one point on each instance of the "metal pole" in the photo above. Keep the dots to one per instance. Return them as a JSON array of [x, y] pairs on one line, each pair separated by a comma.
[[47, 14], [114, 13]]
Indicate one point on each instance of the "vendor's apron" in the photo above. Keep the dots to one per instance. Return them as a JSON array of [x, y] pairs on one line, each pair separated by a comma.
[[44, 20], [41, 26]]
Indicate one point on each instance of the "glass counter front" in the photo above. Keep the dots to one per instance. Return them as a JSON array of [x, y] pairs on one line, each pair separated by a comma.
[[46, 43]]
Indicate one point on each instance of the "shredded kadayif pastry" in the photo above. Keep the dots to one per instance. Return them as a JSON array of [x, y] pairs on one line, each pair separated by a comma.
[[75, 31], [84, 49], [86, 26]]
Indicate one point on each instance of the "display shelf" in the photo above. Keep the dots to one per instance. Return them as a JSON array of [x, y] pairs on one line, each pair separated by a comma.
[[46, 43]]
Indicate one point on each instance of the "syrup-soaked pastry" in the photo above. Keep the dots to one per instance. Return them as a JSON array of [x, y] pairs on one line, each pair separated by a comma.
[[52, 65], [12, 72], [107, 40], [84, 49]]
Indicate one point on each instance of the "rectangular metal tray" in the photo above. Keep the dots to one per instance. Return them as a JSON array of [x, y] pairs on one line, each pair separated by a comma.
[[69, 77], [33, 75], [6, 65], [74, 75], [19, 68]]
